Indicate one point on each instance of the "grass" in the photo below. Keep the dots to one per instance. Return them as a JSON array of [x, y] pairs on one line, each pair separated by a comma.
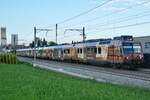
[[23, 82]]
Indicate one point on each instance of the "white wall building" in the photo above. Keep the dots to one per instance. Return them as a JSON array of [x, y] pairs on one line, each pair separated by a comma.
[[145, 41], [3, 38], [14, 39]]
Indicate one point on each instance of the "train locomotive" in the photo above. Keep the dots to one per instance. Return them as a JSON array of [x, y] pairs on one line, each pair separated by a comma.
[[119, 50]]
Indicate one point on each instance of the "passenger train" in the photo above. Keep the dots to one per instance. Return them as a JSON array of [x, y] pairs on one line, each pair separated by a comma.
[[119, 50]]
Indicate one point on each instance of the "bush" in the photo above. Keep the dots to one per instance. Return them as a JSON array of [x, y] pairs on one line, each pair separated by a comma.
[[8, 58]]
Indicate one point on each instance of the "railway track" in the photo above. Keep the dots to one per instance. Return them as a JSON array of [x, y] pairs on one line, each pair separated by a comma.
[[120, 72], [112, 75]]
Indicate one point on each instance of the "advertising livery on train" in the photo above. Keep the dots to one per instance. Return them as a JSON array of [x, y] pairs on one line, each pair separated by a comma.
[[118, 50]]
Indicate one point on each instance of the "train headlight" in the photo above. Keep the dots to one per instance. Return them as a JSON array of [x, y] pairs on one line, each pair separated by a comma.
[[141, 56], [126, 58]]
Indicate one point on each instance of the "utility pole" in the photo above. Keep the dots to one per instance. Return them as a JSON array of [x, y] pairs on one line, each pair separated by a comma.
[[13, 44], [82, 31], [84, 36], [35, 41], [56, 32], [34, 46]]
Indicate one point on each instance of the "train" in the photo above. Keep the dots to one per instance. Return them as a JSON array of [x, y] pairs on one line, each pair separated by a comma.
[[119, 50]]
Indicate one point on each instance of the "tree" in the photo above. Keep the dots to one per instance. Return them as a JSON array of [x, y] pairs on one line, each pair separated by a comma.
[[51, 43], [39, 42], [31, 44], [44, 43]]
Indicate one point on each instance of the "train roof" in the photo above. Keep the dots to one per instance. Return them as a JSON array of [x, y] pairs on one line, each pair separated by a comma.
[[87, 43], [27, 49], [98, 40]]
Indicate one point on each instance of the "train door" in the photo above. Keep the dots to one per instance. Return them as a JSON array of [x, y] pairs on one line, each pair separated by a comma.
[[80, 53], [55, 54], [49, 53], [102, 52], [73, 54], [60, 54]]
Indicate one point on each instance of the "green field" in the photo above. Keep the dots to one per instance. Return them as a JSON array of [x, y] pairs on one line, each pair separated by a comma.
[[23, 82]]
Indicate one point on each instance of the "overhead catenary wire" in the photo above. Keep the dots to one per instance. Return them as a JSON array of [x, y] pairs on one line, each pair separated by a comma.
[[123, 26], [83, 13], [86, 12], [109, 14], [130, 25], [111, 28], [124, 19]]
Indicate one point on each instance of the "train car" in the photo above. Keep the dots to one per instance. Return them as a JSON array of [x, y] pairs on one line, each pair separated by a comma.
[[24, 52], [45, 53], [80, 52], [125, 50], [39, 52], [89, 52], [56, 52], [119, 50], [69, 52]]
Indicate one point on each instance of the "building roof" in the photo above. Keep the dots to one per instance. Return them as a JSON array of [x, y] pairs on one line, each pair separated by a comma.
[[142, 37]]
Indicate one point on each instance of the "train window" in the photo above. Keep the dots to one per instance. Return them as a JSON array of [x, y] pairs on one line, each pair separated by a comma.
[[147, 45], [120, 50], [95, 50], [64, 51], [99, 50], [92, 50], [88, 49], [81, 51], [68, 51], [137, 49]]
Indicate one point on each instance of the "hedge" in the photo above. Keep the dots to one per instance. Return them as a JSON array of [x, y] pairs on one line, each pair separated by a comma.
[[8, 58]]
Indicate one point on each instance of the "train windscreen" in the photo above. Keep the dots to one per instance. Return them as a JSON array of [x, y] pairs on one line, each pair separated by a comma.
[[130, 48]]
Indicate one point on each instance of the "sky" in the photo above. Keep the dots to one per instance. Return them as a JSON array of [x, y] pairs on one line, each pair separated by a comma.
[[20, 17]]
